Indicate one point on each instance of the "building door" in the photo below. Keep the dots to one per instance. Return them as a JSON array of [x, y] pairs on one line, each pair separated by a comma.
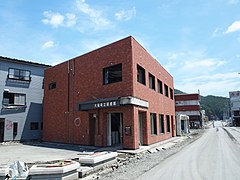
[[1, 129], [92, 129], [114, 129], [140, 128]]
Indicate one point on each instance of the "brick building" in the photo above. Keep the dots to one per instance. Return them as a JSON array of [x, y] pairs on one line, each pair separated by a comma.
[[115, 95], [189, 104]]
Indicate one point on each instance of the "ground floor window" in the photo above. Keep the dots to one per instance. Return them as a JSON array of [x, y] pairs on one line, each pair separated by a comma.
[[153, 121], [168, 123], [161, 122], [15, 129], [34, 126]]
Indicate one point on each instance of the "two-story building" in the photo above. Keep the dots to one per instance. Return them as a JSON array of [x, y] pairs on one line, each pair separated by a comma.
[[21, 97], [235, 107], [115, 95], [189, 104]]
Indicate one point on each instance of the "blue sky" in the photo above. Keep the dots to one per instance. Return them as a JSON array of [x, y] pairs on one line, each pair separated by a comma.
[[197, 41]]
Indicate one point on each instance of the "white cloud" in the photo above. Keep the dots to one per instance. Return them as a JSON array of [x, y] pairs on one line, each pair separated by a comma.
[[53, 19], [125, 15], [56, 19], [235, 26], [205, 64], [71, 19], [48, 44], [95, 16]]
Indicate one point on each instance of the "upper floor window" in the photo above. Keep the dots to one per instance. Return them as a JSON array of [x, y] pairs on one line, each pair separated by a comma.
[[151, 81], [141, 75], [15, 99], [160, 88], [171, 93], [166, 90], [52, 85], [112, 74], [19, 74]]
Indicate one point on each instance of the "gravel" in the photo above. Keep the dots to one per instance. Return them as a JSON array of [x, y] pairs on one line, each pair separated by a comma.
[[132, 166]]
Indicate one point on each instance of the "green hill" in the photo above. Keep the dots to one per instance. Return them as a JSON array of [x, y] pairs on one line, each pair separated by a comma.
[[214, 106]]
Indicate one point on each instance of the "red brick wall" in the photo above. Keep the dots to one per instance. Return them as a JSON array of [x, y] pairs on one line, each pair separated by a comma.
[[158, 103], [187, 97], [62, 120]]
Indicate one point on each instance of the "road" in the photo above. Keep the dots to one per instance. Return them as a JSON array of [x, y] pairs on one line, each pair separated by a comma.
[[214, 156]]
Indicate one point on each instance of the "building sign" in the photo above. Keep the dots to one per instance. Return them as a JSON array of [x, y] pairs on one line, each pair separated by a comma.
[[101, 103]]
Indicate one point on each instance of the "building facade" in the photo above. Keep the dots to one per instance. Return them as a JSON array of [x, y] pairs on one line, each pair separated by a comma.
[[189, 104], [115, 95], [235, 107], [21, 97]]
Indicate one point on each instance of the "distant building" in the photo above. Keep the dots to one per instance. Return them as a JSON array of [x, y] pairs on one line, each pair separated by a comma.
[[115, 95], [235, 107], [21, 97], [189, 104]]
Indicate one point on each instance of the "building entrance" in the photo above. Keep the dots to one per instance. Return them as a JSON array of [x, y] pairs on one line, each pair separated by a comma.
[[115, 129]]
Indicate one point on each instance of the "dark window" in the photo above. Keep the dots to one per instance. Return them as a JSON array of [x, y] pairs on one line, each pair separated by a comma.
[[171, 93], [14, 99], [160, 88], [19, 74], [168, 123], [141, 75], [41, 126], [112, 74], [34, 126], [52, 85], [153, 123], [15, 128], [151, 81], [166, 90], [161, 122]]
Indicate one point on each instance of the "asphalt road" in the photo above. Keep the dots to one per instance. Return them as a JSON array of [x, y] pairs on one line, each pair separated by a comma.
[[214, 156]]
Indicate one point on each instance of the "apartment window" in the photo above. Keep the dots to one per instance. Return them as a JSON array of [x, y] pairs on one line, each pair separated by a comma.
[[15, 128], [14, 99], [166, 90], [19, 74], [160, 88], [112, 74], [153, 120], [168, 123], [52, 85], [161, 122], [171, 93], [34, 126], [151, 81], [141, 75], [41, 125]]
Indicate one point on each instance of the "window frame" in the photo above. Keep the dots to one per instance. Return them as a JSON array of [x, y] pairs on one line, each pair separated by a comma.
[[153, 123], [166, 90], [141, 72], [160, 86], [14, 98], [34, 126], [151, 86], [161, 123], [106, 79], [52, 85], [168, 129], [19, 76]]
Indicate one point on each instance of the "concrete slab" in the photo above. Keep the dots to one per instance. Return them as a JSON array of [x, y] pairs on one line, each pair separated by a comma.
[[96, 158]]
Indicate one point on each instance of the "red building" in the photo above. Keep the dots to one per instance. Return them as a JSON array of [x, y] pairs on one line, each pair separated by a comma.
[[189, 104], [117, 94]]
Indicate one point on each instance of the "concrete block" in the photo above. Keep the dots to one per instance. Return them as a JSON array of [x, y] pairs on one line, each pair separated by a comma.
[[66, 170], [97, 158]]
